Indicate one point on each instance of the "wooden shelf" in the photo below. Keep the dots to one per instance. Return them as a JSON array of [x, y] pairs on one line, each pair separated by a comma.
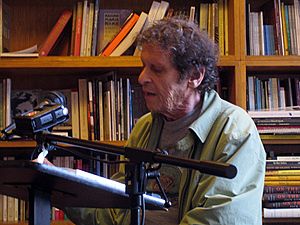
[[281, 221], [32, 144], [54, 222], [70, 62]]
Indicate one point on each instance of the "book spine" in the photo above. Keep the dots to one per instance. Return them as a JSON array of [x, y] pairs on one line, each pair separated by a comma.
[[283, 167], [55, 32], [280, 197], [118, 38], [281, 189], [77, 39], [290, 204], [281, 213]]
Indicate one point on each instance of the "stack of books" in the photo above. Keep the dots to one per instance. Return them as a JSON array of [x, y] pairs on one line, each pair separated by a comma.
[[278, 121], [281, 196]]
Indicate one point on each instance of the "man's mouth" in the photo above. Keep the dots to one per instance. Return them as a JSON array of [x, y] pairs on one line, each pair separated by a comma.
[[148, 93]]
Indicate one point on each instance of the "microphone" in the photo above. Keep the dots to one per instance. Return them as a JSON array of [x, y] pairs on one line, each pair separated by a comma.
[[47, 114], [52, 97]]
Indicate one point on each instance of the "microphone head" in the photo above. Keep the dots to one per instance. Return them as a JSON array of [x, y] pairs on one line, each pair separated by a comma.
[[56, 97], [52, 98]]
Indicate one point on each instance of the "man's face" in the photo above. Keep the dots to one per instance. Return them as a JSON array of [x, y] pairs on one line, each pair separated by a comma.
[[163, 91]]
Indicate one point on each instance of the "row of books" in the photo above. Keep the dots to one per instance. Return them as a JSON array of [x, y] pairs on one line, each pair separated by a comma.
[[281, 196], [280, 121], [112, 32], [213, 19], [105, 110], [104, 32], [274, 29], [270, 92]]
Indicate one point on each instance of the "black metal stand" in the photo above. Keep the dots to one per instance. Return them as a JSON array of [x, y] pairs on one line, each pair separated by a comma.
[[39, 206], [135, 178]]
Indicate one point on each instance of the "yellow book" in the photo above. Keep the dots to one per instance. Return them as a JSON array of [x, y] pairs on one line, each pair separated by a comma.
[[283, 172], [284, 31], [203, 19], [275, 177], [221, 26], [226, 47], [210, 26], [282, 183]]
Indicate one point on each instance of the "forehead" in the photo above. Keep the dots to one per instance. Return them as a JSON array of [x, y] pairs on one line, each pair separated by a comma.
[[155, 53]]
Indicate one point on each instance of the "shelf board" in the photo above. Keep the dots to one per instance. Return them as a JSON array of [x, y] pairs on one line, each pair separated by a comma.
[[53, 222], [71, 62], [282, 221], [273, 61], [67, 62], [32, 144], [280, 139]]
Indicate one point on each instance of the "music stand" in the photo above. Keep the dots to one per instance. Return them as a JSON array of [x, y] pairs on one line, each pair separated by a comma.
[[43, 185], [61, 187]]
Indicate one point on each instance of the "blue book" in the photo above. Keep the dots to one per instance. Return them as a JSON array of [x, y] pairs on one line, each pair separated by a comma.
[[272, 39], [287, 24], [266, 40]]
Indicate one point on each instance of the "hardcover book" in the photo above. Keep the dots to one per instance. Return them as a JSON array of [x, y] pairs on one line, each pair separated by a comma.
[[110, 22], [130, 38], [293, 111], [121, 35]]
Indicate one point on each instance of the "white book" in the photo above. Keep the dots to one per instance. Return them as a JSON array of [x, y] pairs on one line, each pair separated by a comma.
[[261, 33], [8, 119], [281, 213], [89, 32], [288, 158], [75, 114], [111, 88], [84, 28], [152, 13], [161, 12], [131, 36], [291, 112], [100, 108], [251, 95], [107, 116], [149, 21], [91, 111], [4, 208], [297, 25], [192, 14]]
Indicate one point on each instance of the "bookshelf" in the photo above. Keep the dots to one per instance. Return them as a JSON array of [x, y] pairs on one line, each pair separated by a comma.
[[32, 20]]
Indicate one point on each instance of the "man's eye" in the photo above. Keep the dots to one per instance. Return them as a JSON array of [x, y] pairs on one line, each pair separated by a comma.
[[156, 70]]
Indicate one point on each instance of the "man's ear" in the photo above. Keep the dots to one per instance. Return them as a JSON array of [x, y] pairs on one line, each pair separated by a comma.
[[196, 78]]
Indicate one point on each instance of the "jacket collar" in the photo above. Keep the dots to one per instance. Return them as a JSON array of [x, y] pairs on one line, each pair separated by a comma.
[[211, 109]]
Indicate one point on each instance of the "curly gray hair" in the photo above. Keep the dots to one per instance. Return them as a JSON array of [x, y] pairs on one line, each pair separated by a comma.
[[189, 48]]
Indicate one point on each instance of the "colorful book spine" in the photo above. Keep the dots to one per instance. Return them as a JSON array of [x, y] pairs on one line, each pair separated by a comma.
[[121, 35], [281, 197], [268, 189], [289, 204]]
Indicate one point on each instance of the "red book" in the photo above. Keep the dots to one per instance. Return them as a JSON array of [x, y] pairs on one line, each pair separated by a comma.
[[55, 33], [78, 28], [121, 35]]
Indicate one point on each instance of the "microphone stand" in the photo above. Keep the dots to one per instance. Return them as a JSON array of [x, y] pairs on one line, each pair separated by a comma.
[[135, 174]]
